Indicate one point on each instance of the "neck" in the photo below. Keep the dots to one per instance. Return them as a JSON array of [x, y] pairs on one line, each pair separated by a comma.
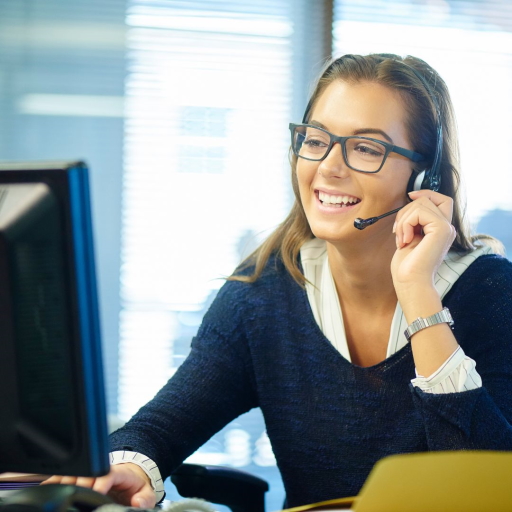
[[362, 273]]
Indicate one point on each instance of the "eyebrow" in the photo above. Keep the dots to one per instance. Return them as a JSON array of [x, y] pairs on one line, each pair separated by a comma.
[[360, 131]]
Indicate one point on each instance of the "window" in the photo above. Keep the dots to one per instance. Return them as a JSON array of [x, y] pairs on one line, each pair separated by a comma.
[[470, 45], [208, 101], [203, 139]]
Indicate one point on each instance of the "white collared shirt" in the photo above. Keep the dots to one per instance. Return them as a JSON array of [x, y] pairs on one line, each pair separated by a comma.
[[456, 374]]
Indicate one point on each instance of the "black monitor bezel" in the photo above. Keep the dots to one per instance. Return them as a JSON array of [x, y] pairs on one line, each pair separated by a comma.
[[69, 182]]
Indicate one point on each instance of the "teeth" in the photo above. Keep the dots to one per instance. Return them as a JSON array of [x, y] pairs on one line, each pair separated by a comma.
[[327, 198]]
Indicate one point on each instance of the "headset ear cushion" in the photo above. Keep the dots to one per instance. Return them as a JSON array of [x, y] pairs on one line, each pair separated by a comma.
[[415, 181], [418, 182]]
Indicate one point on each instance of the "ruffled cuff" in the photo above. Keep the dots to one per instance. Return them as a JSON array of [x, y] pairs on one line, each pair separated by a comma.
[[458, 373], [146, 464]]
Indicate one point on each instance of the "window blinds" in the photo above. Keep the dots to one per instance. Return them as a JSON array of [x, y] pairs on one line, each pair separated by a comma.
[[208, 100], [207, 105]]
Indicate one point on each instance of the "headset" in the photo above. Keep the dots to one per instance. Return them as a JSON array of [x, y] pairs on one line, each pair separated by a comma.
[[428, 178]]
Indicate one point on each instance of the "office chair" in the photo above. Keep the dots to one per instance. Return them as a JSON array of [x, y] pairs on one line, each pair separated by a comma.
[[238, 490]]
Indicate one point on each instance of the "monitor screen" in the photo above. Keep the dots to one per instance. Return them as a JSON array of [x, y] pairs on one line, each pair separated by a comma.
[[52, 402]]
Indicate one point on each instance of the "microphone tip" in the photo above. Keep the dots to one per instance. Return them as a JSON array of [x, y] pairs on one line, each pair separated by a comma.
[[359, 223], [364, 223]]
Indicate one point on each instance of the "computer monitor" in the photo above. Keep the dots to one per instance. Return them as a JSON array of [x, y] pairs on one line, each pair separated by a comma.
[[52, 401]]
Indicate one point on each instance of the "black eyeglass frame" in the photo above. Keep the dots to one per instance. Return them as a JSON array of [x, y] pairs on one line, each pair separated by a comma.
[[333, 139]]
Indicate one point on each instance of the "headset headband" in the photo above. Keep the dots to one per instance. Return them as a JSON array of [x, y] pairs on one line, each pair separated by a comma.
[[432, 177]]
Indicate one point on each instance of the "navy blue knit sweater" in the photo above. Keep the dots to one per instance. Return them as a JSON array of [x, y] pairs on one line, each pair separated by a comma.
[[329, 420]]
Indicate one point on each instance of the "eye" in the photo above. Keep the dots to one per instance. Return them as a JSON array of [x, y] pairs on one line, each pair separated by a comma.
[[315, 142], [368, 149], [316, 138]]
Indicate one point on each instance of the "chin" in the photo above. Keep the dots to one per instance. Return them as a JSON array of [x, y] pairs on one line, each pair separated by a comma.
[[335, 233]]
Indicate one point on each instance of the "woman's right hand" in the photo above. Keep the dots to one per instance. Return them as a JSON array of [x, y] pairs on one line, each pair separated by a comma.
[[126, 484]]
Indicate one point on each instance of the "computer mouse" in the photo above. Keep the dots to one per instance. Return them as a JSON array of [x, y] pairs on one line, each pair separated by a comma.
[[54, 498]]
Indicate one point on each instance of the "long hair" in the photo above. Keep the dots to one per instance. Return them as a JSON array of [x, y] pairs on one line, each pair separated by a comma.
[[395, 73]]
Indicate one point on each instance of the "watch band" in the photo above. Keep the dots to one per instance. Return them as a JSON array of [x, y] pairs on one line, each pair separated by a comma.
[[442, 317]]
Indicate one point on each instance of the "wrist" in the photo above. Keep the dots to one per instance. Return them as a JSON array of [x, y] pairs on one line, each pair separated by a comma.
[[143, 466], [419, 302], [141, 472], [413, 286]]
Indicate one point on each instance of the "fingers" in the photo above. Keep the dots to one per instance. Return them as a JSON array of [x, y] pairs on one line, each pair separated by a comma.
[[71, 480], [83, 481], [144, 499], [428, 213], [104, 484], [127, 484], [58, 479], [442, 202], [55, 479]]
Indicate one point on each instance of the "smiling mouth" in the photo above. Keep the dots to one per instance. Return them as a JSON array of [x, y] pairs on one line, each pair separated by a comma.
[[337, 201]]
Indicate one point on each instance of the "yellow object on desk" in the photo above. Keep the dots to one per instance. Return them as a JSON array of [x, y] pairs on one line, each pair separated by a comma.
[[468, 481], [344, 504]]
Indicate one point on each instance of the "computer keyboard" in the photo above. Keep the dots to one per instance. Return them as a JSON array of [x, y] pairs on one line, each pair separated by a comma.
[[33, 501], [186, 505]]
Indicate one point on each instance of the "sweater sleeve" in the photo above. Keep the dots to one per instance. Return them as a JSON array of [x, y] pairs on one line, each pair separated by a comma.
[[213, 386], [477, 419]]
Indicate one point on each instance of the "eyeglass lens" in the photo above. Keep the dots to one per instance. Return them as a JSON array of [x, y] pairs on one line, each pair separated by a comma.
[[361, 154]]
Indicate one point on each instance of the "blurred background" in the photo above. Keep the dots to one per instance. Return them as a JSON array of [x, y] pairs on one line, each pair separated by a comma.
[[181, 109]]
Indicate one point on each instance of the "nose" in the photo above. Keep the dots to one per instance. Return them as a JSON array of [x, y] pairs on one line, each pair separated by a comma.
[[334, 165]]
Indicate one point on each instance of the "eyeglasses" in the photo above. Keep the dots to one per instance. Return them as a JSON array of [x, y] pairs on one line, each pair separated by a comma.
[[362, 154]]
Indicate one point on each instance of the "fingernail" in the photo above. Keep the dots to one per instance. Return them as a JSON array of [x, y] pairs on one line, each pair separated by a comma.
[[143, 503], [394, 227]]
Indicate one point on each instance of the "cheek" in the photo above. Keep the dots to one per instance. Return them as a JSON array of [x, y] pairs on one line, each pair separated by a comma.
[[305, 173], [397, 180], [387, 186], [402, 179]]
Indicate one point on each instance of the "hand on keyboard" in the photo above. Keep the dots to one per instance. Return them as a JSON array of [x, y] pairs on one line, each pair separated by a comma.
[[126, 484]]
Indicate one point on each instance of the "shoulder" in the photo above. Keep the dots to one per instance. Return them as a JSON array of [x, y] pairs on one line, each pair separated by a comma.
[[489, 271], [273, 266], [239, 300], [481, 300]]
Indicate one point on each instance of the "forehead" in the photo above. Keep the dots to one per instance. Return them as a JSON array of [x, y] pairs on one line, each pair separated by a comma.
[[346, 107]]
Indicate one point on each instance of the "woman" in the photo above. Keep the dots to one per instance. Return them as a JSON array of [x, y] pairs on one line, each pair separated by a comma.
[[311, 328]]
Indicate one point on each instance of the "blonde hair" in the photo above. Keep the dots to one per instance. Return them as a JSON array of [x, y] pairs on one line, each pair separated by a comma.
[[395, 73]]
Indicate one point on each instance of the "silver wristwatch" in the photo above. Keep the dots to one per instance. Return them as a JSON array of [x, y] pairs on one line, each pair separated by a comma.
[[421, 323]]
